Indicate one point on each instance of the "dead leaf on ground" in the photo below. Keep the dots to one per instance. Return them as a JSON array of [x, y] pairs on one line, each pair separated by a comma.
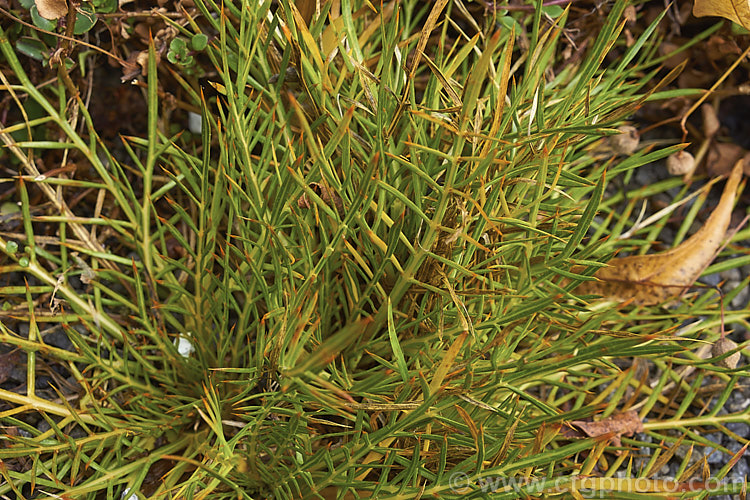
[[676, 58], [52, 9], [611, 427], [711, 123], [722, 50], [722, 157], [656, 278], [8, 362], [328, 195], [737, 11]]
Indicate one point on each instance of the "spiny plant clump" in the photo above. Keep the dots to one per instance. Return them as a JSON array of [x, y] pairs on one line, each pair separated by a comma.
[[359, 280]]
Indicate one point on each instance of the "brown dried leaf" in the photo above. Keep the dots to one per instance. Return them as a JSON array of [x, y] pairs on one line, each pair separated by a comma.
[[719, 48], [328, 195], [303, 202], [130, 67], [612, 427], [52, 9], [8, 362], [737, 11], [676, 59], [306, 9], [722, 157], [711, 123], [656, 278]]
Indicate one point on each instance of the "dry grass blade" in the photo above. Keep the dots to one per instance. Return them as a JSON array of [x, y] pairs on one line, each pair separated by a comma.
[[424, 37]]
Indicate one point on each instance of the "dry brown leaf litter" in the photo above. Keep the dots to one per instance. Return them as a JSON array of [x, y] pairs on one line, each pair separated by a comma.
[[656, 278], [612, 427], [737, 11]]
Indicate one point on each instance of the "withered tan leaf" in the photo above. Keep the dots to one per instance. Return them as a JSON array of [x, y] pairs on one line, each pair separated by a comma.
[[737, 11], [613, 427], [656, 278], [52, 9]]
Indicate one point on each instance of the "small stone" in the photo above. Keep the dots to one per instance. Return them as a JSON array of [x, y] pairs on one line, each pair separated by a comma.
[[714, 437], [626, 142], [43, 426], [738, 401], [711, 280], [675, 58], [665, 471], [733, 276], [740, 428], [58, 338], [740, 470], [714, 458], [722, 157], [681, 163], [184, 345], [43, 382], [722, 346], [741, 299], [682, 451], [733, 448], [77, 433]]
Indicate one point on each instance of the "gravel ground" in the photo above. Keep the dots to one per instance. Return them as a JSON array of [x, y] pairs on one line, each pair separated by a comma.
[[740, 397]]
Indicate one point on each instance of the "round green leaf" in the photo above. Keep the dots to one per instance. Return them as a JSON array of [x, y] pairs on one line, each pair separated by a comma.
[[553, 11], [32, 48], [41, 22], [105, 6], [508, 22], [178, 45], [85, 20], [199, 41], [7, 208]]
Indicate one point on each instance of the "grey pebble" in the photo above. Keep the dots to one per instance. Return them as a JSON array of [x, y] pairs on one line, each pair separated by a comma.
[[733, 276], [740, 428], [58, 338], [737, 402], [711, 279]]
